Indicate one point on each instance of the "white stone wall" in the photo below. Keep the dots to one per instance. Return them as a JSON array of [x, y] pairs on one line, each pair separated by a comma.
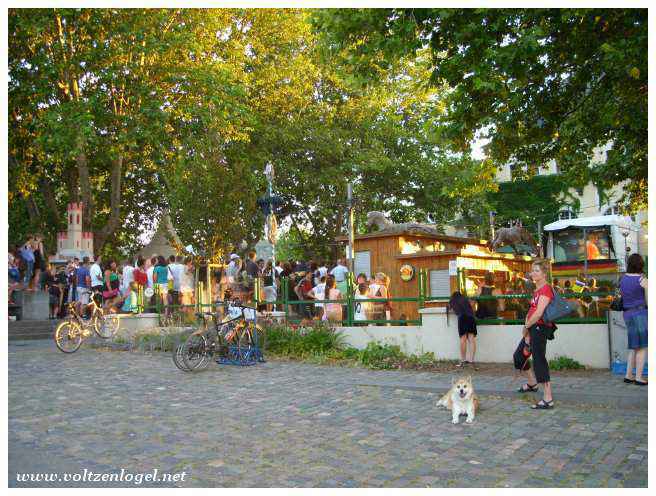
[[586, 343]]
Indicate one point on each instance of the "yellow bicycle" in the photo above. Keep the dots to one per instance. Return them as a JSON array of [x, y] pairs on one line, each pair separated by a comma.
[[70, 333]]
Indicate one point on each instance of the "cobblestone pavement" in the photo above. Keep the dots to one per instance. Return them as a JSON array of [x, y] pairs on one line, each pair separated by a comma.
[[284, 424]]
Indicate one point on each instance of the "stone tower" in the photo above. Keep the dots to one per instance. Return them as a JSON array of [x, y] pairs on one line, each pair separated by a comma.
[[74, 242]]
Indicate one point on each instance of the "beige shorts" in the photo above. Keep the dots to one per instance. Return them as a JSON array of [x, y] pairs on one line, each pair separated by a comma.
[[83, 295]]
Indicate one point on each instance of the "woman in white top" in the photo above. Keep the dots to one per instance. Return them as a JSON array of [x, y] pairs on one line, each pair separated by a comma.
[[187, 284], [362, 309], [378, 289]]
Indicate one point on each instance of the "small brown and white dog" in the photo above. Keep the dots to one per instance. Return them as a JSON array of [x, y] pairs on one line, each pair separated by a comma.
[[461, 399]]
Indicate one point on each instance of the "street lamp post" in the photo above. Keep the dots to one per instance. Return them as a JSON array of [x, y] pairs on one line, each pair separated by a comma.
[[349, 197]]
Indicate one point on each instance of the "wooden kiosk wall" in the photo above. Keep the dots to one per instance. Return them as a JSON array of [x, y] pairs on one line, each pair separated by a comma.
[[386, 256]]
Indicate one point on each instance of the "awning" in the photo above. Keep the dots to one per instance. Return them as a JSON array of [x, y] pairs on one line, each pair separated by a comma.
[[597, 221]]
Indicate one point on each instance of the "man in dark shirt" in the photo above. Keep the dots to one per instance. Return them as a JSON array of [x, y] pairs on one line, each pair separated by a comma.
[[251, 267]]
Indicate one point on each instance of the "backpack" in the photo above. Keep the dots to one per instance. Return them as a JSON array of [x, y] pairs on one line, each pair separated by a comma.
[[140, 277], [557, 308]]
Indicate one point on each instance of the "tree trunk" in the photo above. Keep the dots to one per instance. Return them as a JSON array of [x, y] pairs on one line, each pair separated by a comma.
[[85, 188], [114, 204], [73, 185], [49, 198]]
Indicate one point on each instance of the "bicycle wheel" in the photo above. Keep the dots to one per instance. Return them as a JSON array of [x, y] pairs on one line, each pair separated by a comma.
[[106, 326], [245, 343], [68, 337], [177, 358], [195, 352]]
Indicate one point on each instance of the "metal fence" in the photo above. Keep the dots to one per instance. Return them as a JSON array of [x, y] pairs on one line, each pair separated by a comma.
[[508, 308]]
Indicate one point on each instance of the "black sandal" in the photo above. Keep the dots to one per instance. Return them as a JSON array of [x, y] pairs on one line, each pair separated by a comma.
[[528, 388], [640, 383], [543, 405], [629, 381]]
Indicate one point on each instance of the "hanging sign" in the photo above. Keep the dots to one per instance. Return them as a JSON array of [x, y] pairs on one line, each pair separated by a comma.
[[407, 272]]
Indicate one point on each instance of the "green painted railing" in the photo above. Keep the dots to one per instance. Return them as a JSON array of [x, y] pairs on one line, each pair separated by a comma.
[[293, 312]]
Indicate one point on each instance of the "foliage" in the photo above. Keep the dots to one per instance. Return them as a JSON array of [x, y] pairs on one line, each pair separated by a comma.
[[564, 363], [302, 342], [383, 139], [533, 199], [380, 356], [135, 112], [290, 246], [537, 84]]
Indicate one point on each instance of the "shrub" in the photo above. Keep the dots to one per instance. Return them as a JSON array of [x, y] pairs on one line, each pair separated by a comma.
[[381, 356], [301, 342], [564, 363]]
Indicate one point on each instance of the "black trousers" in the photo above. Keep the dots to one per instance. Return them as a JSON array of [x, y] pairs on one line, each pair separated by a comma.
[[539, 350]]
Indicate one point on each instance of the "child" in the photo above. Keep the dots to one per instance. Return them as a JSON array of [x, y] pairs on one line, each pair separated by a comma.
[[466, 326], [362, 309], [130, 302]]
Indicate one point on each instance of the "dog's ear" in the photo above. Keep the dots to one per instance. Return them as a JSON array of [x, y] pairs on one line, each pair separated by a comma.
[[453, 381], [469, 379]]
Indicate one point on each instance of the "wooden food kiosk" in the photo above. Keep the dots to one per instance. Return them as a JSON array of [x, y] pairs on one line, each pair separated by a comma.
[[446, 259]]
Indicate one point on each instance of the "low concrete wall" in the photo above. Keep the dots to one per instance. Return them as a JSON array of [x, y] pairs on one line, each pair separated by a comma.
[[133, 324], [410, 338], [585, 343]]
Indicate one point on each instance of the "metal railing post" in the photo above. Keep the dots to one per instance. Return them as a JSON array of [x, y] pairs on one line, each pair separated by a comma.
[[349, 299], [285, 296]]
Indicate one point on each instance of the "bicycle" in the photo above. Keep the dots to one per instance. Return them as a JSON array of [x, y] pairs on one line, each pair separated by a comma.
[[234, 339], [70, 333]]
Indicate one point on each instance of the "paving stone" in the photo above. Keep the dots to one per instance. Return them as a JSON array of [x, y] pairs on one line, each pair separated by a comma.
[[287, 424]]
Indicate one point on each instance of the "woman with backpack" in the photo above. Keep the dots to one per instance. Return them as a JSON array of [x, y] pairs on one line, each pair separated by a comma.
[[633, 288], [534, 341]]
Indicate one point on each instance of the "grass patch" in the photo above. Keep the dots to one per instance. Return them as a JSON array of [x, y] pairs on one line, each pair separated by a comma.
[[565, 363]]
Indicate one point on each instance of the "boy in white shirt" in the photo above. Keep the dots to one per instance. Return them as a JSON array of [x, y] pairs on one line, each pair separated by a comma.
[[362, 309], [318, 293]]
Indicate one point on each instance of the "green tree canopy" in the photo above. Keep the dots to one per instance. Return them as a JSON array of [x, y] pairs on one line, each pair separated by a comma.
[[136, 111], [539, 84]]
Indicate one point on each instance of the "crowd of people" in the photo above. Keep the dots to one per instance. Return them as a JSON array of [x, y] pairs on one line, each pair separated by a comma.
[[116, 287], [321, 283]]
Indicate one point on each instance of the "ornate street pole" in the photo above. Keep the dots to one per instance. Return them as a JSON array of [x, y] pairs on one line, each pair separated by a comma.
[[351, 226], [271, 223]]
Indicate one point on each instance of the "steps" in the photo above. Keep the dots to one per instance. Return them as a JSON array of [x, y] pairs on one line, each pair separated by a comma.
[[32, 329]]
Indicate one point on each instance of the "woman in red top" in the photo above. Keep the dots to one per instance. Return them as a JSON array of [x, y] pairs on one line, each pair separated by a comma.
[[536, 339]]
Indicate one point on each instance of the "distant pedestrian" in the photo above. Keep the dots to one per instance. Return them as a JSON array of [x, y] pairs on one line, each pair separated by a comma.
[[633, 287], [467, 331], [27, 254], [39, 257]]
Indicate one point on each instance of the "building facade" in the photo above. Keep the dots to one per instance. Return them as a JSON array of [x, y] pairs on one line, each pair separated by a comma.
[[592, 200]]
